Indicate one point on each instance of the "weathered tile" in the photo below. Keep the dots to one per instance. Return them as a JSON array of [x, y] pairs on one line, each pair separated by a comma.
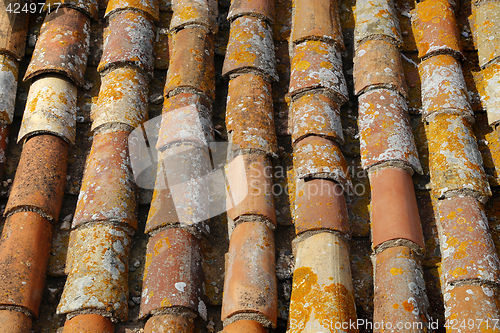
[[62, 46], [466, 244], [108, 191], [250, 280], [317, 64], [9, 71], [385, 132], [173, 273], [316, 157], [320, 205], [149, 7], [247, 326], [489, 145], [169, 323], [191, 63], [377, 63], [123, 98], [263, 9], [89, 7], [400, 295], [97, 271], [313, 20], [89, 323], [491, 96], [249, 114], [14, 28], [25, 249], [487, 32], [455, 163], [316, 114], [376, 18], [14, 321], [40, 177], [187, 12], [250, 47], [128, 40], [435, 29], [394, 211], [443, 87], [322, 294]]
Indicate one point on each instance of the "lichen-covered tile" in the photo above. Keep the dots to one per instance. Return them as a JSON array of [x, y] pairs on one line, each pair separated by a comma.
[[187, 12], [263, 9], [148, 7], [9, 71], [487, 32], [14, 28]]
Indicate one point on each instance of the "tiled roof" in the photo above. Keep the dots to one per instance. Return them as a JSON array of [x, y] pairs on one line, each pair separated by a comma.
[[252, 166]]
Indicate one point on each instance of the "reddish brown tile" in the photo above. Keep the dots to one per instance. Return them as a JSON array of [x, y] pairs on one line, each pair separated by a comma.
[[187, 12], [97, 271], [250, 47], [24, 249], [250, 279], [376, 19], [250, 188], [316, 114], [400, 295], [40, 176], [123, 98], [317, 64], [89, 323], [322, 291], [9, 71], [394, 211], [249, 114], [435, 29], [149, 7], [443, 87], [14, 28], [491, 98], [173, 273], [128, 40], [50, 108], [313, 20], [4, 140], [181, 196], [471, 309], [320, 204], [487, 32], [14, 322], [384, 130], [89, 7], [187, 120], [468, 252], [191, 63], [377, 63], [262, 9], [455, 164], [317, 157], [169, 323], [244, 326], [108, 189], [62, 46]]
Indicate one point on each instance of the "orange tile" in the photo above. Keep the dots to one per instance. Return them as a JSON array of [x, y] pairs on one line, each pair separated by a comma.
[[173, 274], [150, 8], [468, 252], [320, 205], [40, 176], [25, 250], [317, 157], [250, 188], [263, 9], [250, 46], [128, 40], [108, 191], [14, 322], [169, 323], [249, 114], [250, 279], [88, 323], [377, 63], [384, 130], [316, 114], [316, 64], [435, 29], [62, 46], [187, 12], [191, 63], [313, 20], [244, 326], [14, 27], [89, 7], [394, 211]]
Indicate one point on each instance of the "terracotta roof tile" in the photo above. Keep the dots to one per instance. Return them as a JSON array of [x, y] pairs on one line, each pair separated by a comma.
[[13, 31], [486, 28], [148, 7], [89, 323], [9, 71], [169, 323], [188, 12], [263, 10], [88, 7]]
